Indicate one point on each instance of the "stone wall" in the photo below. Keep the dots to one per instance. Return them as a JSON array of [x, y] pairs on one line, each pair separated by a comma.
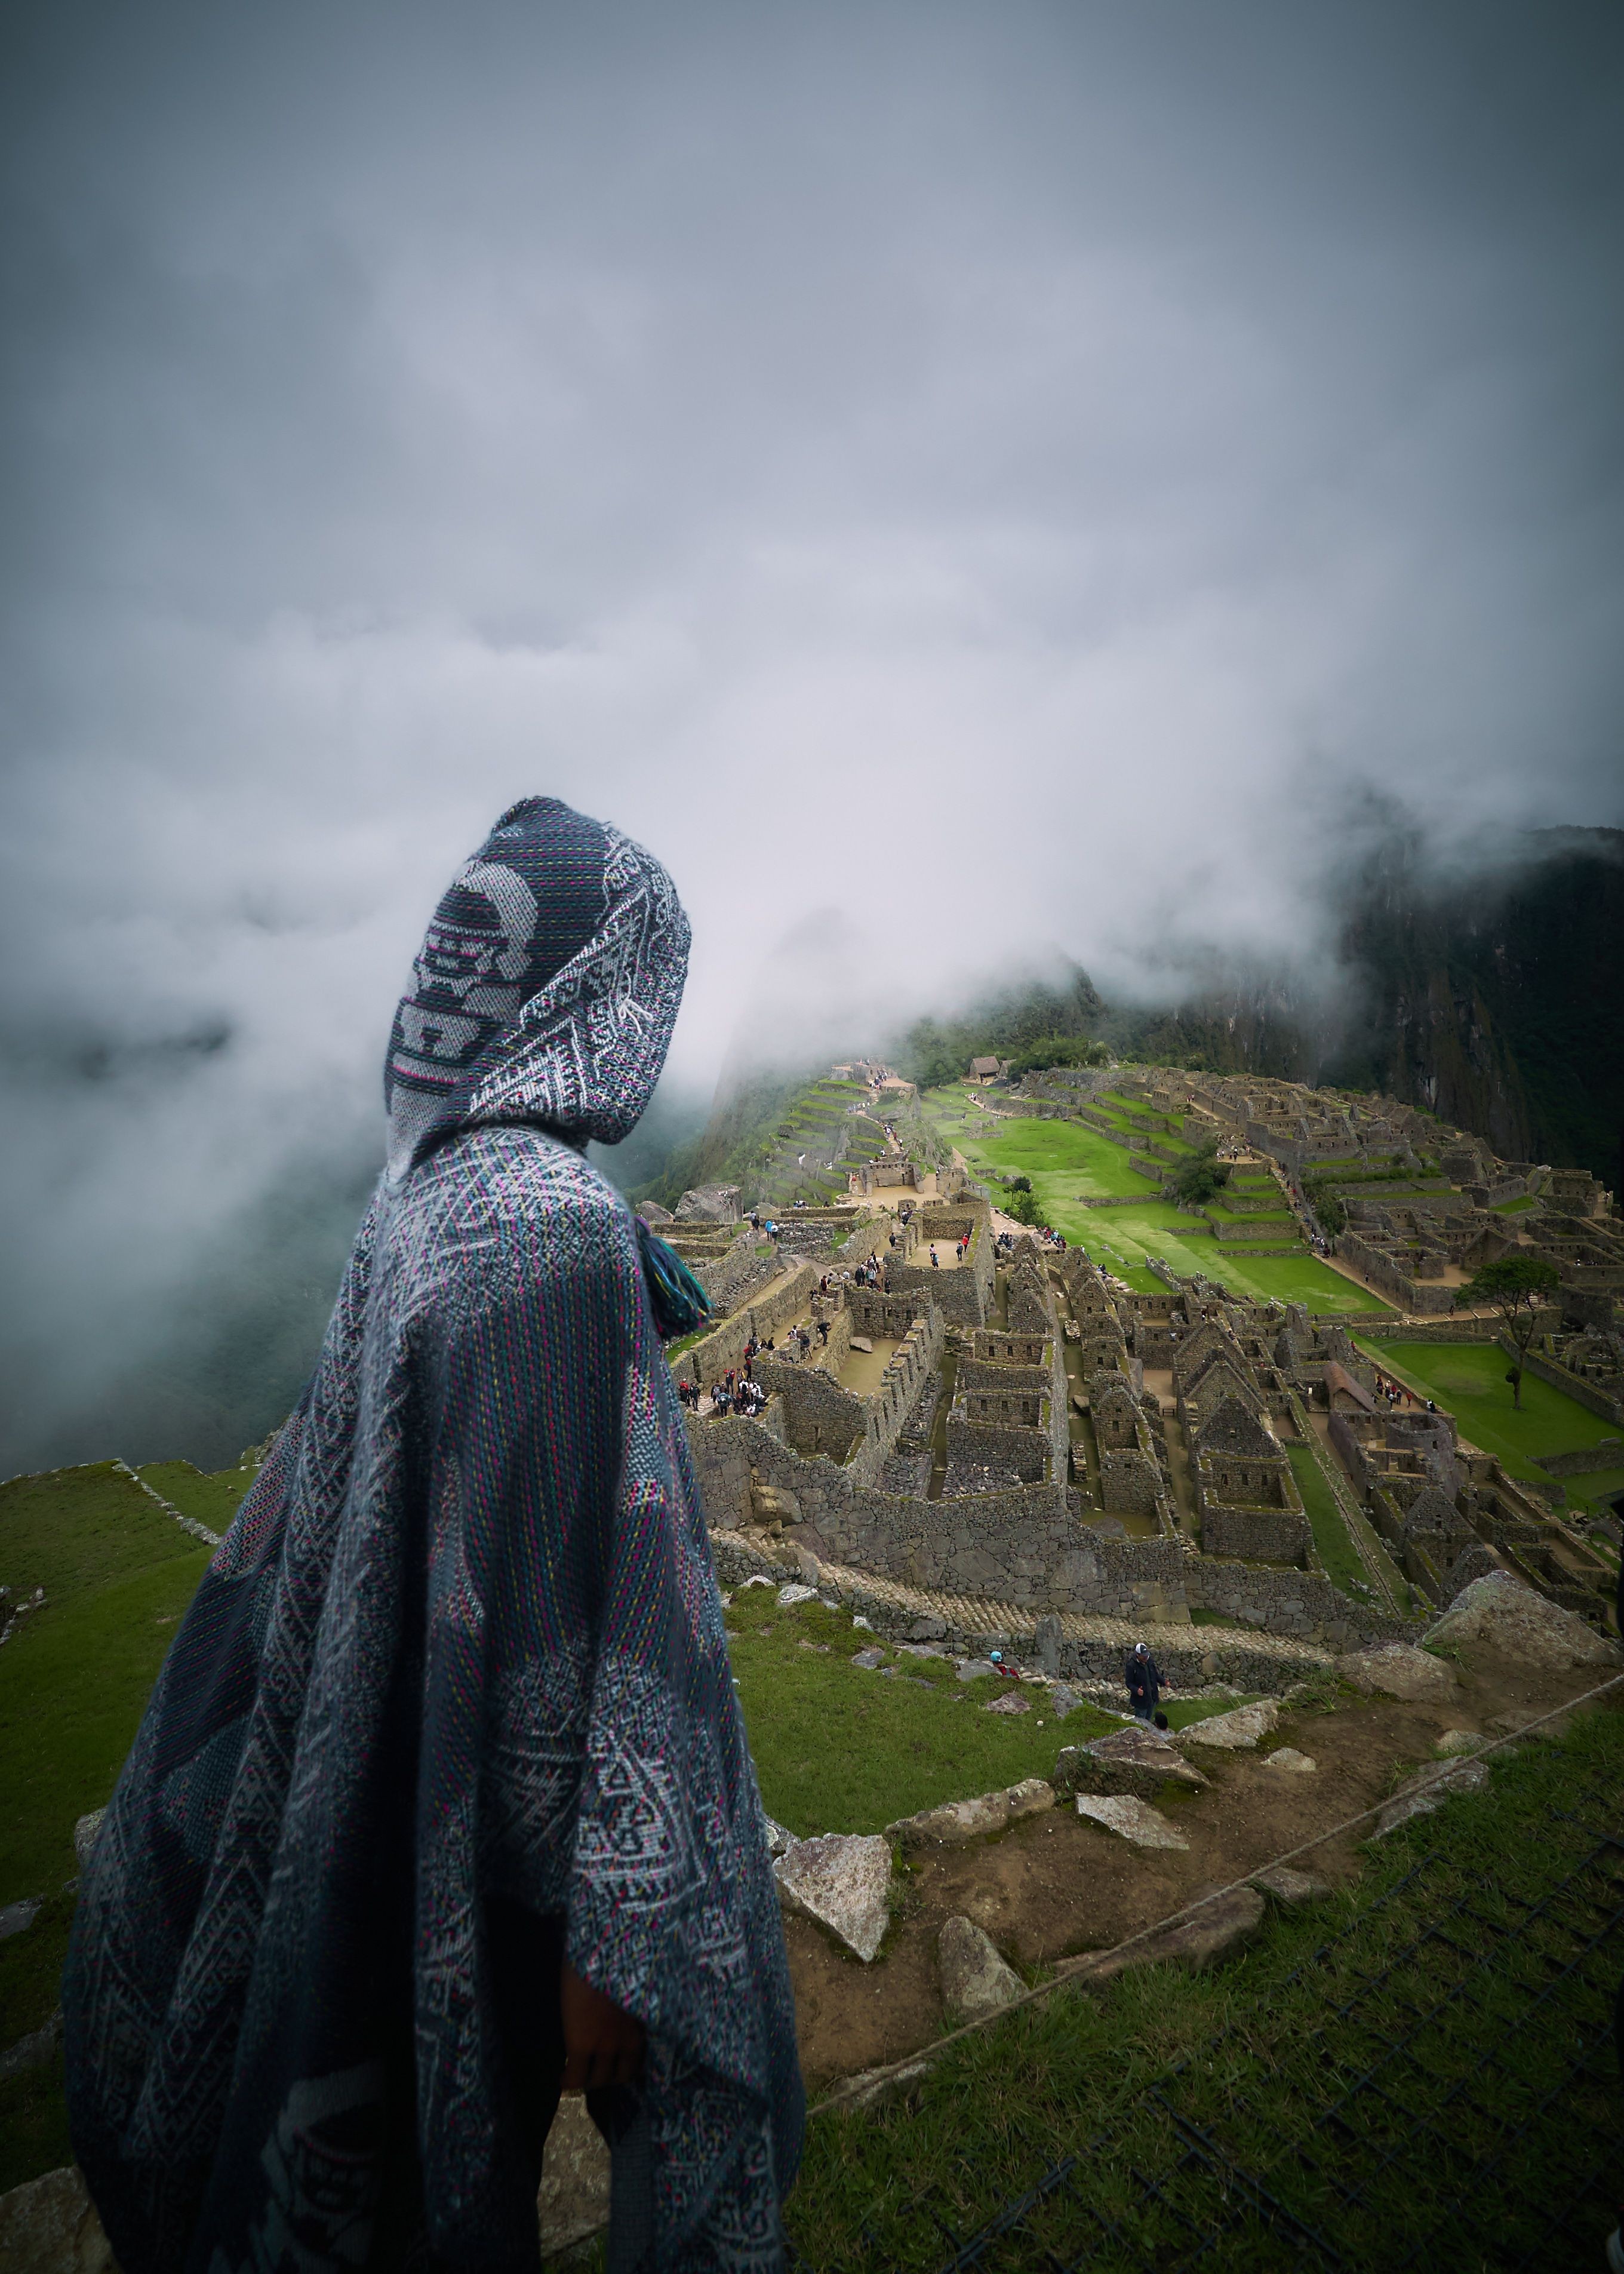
[[1021, 1546], [1299, 1603], [1267, 1535], [819, 1416], [707, 1361], [1572, 1385], [1024, 1448]]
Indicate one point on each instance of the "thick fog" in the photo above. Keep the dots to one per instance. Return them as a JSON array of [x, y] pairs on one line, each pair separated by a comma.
[[961, 485]]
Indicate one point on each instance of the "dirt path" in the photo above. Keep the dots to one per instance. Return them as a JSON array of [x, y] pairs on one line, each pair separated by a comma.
[[1057, 1885]]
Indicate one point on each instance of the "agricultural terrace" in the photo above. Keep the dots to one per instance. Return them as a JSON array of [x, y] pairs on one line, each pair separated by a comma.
[[1069, 1163], [1470, 1380]]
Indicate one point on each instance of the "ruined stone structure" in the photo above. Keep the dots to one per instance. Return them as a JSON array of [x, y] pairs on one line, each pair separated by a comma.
[[1010, 1427]]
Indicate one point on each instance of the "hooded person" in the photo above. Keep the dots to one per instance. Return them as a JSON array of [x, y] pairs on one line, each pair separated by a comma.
[[445, 1754]]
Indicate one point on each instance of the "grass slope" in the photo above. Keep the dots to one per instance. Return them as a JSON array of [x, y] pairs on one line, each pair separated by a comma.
[[1469, 1379], [1337, 1551], [843, 1748], [1400, 2114], [1066, 1160]]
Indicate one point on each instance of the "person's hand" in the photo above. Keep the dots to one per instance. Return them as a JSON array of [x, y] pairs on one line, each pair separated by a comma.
[[602, 2045]]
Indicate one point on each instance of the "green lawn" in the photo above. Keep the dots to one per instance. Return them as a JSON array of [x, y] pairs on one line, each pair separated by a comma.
[[839, 1748], [1066, 1160], [1340, 1558], [1469, 1379]]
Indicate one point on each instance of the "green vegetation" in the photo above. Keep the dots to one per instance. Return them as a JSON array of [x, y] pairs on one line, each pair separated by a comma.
[[1201, 1178], [1255, 2055], [1066, 1162], [938, 1051], [1340, 1558], [1469, 1379], [1059, 1050], [1518, 1287], [838, 1748], [211, 1500], [74, 1678]]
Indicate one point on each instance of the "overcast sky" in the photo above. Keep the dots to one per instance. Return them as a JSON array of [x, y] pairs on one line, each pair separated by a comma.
[[983, 480]]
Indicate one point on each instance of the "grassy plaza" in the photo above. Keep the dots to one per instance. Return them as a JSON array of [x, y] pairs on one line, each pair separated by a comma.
[[1069, 1163], [1469, 1379]]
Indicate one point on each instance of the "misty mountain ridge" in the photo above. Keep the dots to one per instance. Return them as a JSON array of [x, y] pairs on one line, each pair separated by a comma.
[[1493, 1001]]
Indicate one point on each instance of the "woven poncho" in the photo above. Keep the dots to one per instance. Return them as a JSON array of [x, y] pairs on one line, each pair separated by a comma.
[[463, 1639]]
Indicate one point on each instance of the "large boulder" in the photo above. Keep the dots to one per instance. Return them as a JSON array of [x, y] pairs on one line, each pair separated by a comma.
[[975, 1981], [841, 1881], [1503, 1615], [1239, 1728], [1398, 1669], [1135, 1760]]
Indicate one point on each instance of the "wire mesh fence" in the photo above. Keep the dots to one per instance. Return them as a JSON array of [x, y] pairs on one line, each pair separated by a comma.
[[1437, 2083]]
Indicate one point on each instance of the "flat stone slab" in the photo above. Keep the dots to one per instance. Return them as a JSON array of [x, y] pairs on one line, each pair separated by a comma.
[[796, 1592], [1504, 1616], [1215, 1930], [778, 1840], [955, 1821], [975, 1981], [869, 1658], [1134, 1760], [1289, 1761], [1398, 1669], [1238, 1730], [1288, 1886], [861, 1343], [1012, 1702], [1129, 1819], [1427, 1790], [971, 1669], [1063, 1701], [841, 1881]]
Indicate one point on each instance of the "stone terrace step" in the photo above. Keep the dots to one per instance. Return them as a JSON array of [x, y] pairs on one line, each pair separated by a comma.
[[1250, 1657]]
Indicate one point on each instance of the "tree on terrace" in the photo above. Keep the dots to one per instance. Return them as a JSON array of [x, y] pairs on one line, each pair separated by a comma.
[[1201, 1178], [1518, 1287]]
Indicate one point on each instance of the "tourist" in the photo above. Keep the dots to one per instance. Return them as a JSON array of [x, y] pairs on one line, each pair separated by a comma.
[[1145, 1683], [823, 1330], [421, 1677], [936, 1261]]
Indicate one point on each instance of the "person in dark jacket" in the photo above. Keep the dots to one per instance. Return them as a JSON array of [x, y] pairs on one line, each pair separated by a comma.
[[1145, 1682]]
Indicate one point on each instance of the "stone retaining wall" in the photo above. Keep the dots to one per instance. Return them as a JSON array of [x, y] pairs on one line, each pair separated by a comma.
[[1572, 1385], [708, 1361]]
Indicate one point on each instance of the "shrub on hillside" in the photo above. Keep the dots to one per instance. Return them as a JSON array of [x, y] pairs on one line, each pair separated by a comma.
[[1201, 1178]]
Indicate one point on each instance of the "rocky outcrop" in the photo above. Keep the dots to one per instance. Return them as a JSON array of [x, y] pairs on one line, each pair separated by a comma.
[[1502, 1615], [1397, 1670], [1138, 1760]]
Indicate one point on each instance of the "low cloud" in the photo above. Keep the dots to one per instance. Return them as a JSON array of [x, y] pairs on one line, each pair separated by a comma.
[[964, 488]]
